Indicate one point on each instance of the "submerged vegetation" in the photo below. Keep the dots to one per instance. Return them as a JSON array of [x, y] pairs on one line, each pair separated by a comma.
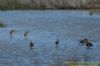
[[48, 4], [2, 24]]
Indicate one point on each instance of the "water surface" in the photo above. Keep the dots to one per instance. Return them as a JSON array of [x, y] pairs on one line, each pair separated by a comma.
[[44, 28]]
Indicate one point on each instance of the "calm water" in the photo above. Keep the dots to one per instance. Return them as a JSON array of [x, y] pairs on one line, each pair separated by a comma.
[[44, 28]]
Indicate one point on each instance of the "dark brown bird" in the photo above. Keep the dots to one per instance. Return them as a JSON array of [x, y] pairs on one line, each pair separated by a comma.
[[12, 32], [57, 43], [26, 33], [86, 42], [89, 44], [83, 41], [91, 13], [31, 45]]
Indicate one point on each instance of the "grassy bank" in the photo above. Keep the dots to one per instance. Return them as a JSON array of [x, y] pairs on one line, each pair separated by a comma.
[[48, 4]]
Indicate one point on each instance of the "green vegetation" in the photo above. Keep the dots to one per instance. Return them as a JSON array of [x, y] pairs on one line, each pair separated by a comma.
[[2, 24], [48, 4]]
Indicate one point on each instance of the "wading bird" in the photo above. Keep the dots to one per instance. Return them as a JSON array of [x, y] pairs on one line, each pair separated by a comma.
[[31, 45], [83, 41], [86, 42], [26, 33], [12, 32], [57, 43], [91, 13]]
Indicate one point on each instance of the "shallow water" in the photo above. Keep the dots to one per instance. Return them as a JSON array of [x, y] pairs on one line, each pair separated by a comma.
[[44, 28]]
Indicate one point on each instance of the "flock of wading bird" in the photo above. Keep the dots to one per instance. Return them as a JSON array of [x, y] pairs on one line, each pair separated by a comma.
[[86, 42]]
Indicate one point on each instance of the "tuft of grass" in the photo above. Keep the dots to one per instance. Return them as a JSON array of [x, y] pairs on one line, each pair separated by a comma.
[[2, 25]]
